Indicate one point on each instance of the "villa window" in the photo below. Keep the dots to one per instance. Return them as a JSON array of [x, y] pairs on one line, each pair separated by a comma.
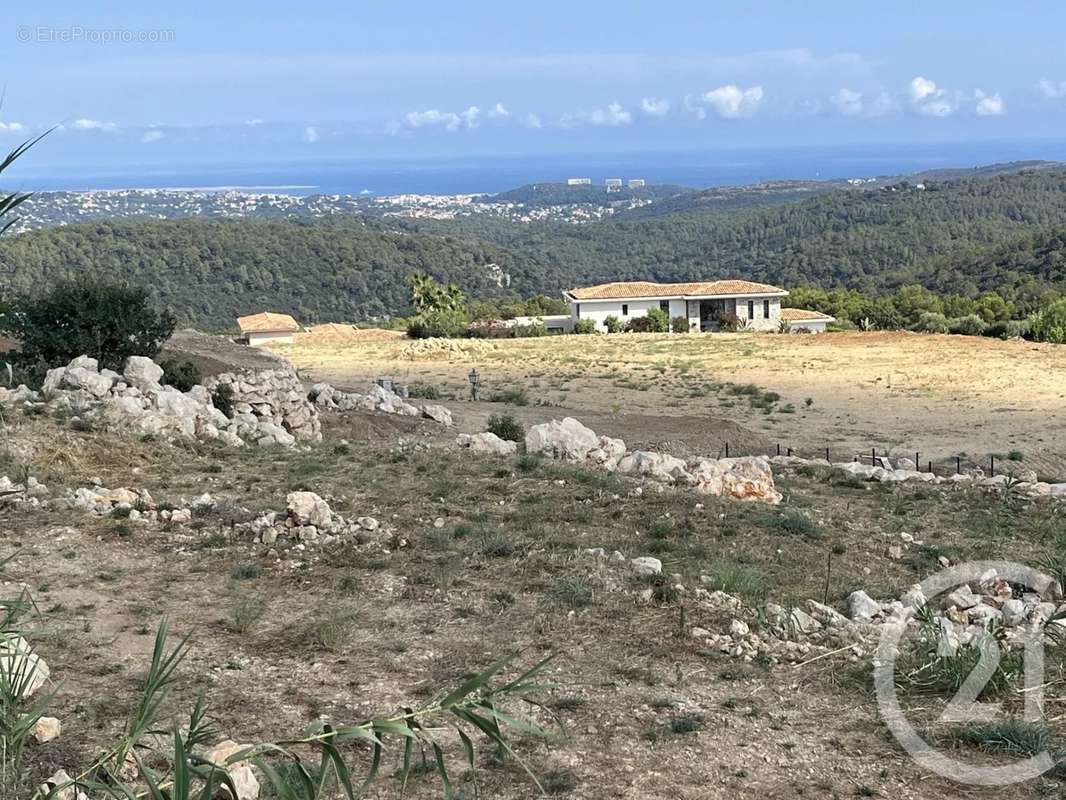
[[625, 309], [766, 309], [664, 305], [751, 309]]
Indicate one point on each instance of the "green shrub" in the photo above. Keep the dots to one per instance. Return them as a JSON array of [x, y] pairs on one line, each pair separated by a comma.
[[423, 391], [88, 316], [639, 325], [1010, 329], [679, 325], [182, 375], [532, 330], [222, 399], [613, 324], [507, 427], [446, 323], [932, 322], [1049, 323], [515, 397], [660, 320], [585, 326], [729, 322], [970, 325]]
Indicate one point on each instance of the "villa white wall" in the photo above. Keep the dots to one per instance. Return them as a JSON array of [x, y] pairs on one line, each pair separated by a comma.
[[599, 310], [268, 337]]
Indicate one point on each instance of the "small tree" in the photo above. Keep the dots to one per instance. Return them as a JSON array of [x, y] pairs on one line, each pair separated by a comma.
[[659, 319], [89, 316], [585, 326], [506, 426], [613, 324], [1049, 323], [679, 325], [446, 323], [970, 325]]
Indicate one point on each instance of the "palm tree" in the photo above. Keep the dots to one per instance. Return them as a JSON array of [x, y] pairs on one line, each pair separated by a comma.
[[12, 201]]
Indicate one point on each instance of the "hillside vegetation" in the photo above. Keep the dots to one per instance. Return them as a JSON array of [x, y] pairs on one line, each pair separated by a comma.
[[210, 272], [1004, 232]]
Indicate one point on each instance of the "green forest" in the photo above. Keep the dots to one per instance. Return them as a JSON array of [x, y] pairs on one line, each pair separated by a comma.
[[960, 237]]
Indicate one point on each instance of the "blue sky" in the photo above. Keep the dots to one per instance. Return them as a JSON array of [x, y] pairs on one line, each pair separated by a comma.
[[256, 81]]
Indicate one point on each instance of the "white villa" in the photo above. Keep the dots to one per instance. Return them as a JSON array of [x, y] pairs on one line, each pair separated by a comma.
[[757, 306]]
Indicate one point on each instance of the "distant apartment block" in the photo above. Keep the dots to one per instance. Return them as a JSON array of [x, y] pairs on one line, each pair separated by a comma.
[[636, 183], [579, 181], [614, 184]]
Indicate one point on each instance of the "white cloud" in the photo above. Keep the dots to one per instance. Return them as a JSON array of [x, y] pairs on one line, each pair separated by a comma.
[[448, 120], [989, 105], [11, 127], [921, 88], [937, 108], [732, 102], [612, 116], [310, 134], [153, 135], [654, 106], [1053, 90], [848, 102], [693, 106], [252, 123], [499, 111], [930, 100], [93, 125], [532, 121]]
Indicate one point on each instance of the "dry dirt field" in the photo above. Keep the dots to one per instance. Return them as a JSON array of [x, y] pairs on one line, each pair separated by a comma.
[[942, 396], [487, 558]]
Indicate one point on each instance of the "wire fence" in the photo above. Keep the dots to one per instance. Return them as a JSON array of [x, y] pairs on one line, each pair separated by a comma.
[[956, 465]]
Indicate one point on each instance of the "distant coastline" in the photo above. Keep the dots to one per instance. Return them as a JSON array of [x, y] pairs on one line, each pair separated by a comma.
[[491, 174]]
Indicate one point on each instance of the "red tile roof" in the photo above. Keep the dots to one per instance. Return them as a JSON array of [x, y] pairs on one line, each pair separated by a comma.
[[631, 289], [267, 322], [803, 315]]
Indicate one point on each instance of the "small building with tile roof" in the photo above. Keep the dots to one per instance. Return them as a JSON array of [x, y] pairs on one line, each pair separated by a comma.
[[267, 327], [707, 305]]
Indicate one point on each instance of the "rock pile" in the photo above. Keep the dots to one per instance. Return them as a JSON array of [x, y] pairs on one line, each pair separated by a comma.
[[445, 348], [747, 478], [377, 399], [32, 491], [488, 443], [308, 518], [1023, 481], [269, 406]]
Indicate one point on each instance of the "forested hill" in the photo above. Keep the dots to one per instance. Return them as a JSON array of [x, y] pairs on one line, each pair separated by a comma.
[[210, 272], [961, 236], [869, 239]]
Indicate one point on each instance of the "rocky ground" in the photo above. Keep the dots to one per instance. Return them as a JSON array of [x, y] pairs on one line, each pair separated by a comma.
[[712, 622]]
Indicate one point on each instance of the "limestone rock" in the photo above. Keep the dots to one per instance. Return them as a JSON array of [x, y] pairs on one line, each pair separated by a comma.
[[437, 413], [487, 443], [747, 478], [862, 607], [568, 440], [307, 508], [46, 729], [646, 565]]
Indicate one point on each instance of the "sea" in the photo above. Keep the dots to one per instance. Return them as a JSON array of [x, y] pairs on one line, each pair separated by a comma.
[[491, 174]]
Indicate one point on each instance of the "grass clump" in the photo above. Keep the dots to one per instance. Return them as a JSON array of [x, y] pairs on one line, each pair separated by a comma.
[[794, 523], [247, 611], [494, 544], [1012, 736], [245, 572], [736, 579], [573, 592], [332, 628], [515, 396], [687, 724]]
